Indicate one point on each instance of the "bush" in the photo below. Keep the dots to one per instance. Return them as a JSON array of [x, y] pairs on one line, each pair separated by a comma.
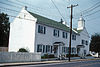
[[72, 55], [22, 50], [48, 56], [51, 56]]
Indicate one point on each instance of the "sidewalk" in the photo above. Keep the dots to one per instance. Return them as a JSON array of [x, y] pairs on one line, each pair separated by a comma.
[[73, 59]]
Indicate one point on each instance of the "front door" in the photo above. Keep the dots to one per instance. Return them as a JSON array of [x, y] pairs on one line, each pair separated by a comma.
[[56, 50], [78, 51]]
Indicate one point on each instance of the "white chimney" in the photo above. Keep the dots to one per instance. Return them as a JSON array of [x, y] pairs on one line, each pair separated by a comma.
[[64, 22], [25, 7]]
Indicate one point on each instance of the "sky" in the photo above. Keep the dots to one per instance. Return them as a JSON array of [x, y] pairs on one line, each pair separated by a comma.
[[89, 9]]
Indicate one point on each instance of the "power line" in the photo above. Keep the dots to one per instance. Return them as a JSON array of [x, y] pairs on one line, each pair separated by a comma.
[[91, 8], [92, 13], [15, 3], [32, 7], [10, 5], [37, 11], [93, 18], [57, 9]]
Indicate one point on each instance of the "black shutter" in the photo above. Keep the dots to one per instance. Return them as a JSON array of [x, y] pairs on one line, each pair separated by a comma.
[[38, 28], [44, 30], [66, 35], [58, 33], [54, 32]]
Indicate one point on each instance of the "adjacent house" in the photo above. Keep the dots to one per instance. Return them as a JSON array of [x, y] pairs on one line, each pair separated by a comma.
[[40, 34]]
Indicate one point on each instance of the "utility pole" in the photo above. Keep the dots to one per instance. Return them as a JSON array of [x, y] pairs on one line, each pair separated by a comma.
[[71, 29]]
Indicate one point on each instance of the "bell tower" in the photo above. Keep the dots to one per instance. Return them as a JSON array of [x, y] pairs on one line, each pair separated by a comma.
[[81, 23]]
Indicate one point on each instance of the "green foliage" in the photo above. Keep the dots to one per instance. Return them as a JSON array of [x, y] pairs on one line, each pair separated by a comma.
[[4, 30], [95, 43], [48, 56], [72, 55], [22, 50]]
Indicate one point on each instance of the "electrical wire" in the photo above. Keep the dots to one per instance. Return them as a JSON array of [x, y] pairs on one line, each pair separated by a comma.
[[92, 13], [58, 9], [10, 5]]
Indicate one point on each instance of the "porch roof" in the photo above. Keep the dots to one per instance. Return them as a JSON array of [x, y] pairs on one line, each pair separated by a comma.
[[58, 43]]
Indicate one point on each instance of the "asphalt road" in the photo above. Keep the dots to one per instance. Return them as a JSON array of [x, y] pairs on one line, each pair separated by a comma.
[[92, 63]]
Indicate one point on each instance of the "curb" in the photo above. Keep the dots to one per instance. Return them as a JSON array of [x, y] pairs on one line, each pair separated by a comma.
[[28, 63], [44, 62]]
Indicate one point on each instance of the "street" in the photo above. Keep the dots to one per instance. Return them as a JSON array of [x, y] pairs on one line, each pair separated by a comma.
[[92, 63]]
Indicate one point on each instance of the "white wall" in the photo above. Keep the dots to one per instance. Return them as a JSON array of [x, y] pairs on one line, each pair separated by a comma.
[[49, 38], [85, 36], [22, 32]]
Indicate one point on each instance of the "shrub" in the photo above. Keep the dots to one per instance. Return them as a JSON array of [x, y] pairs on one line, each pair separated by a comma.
[[22, 50], [51, 56], [72, 55], [48, 56]]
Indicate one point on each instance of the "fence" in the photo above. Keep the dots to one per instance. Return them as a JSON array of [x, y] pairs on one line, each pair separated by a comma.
[[19, 57]]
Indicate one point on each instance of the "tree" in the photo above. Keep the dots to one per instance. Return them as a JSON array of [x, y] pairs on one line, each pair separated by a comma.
[[4, 30], [22, 50], [95, 43]]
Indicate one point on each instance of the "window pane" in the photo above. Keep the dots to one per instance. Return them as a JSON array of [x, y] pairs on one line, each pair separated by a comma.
[[66, 35], [58, 33], [86, 42], [63, 35], [38, 28], [39, 48], [46, 48], [41, 29], [43, 48], [51, 49], [44, 30]]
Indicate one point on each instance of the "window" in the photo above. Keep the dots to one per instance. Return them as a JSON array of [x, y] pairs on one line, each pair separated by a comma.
[[83, 42], [41, 29], [43, 48], [56, 32], [73, 37], [51, 49], [73, 50], [67, 50], [47, 48], [64, 35], [64, 49], [39, 48], [86, 42]]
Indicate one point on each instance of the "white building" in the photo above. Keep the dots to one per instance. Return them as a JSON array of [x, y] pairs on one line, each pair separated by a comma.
[[40, 34]]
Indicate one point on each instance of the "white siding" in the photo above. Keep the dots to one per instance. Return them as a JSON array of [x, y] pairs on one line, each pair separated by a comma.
[[22, 32], [85, 36]]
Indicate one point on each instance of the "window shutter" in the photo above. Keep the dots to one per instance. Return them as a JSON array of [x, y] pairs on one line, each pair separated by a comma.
[[66, 35], [44, 30], [38, 28], [58, 33]]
